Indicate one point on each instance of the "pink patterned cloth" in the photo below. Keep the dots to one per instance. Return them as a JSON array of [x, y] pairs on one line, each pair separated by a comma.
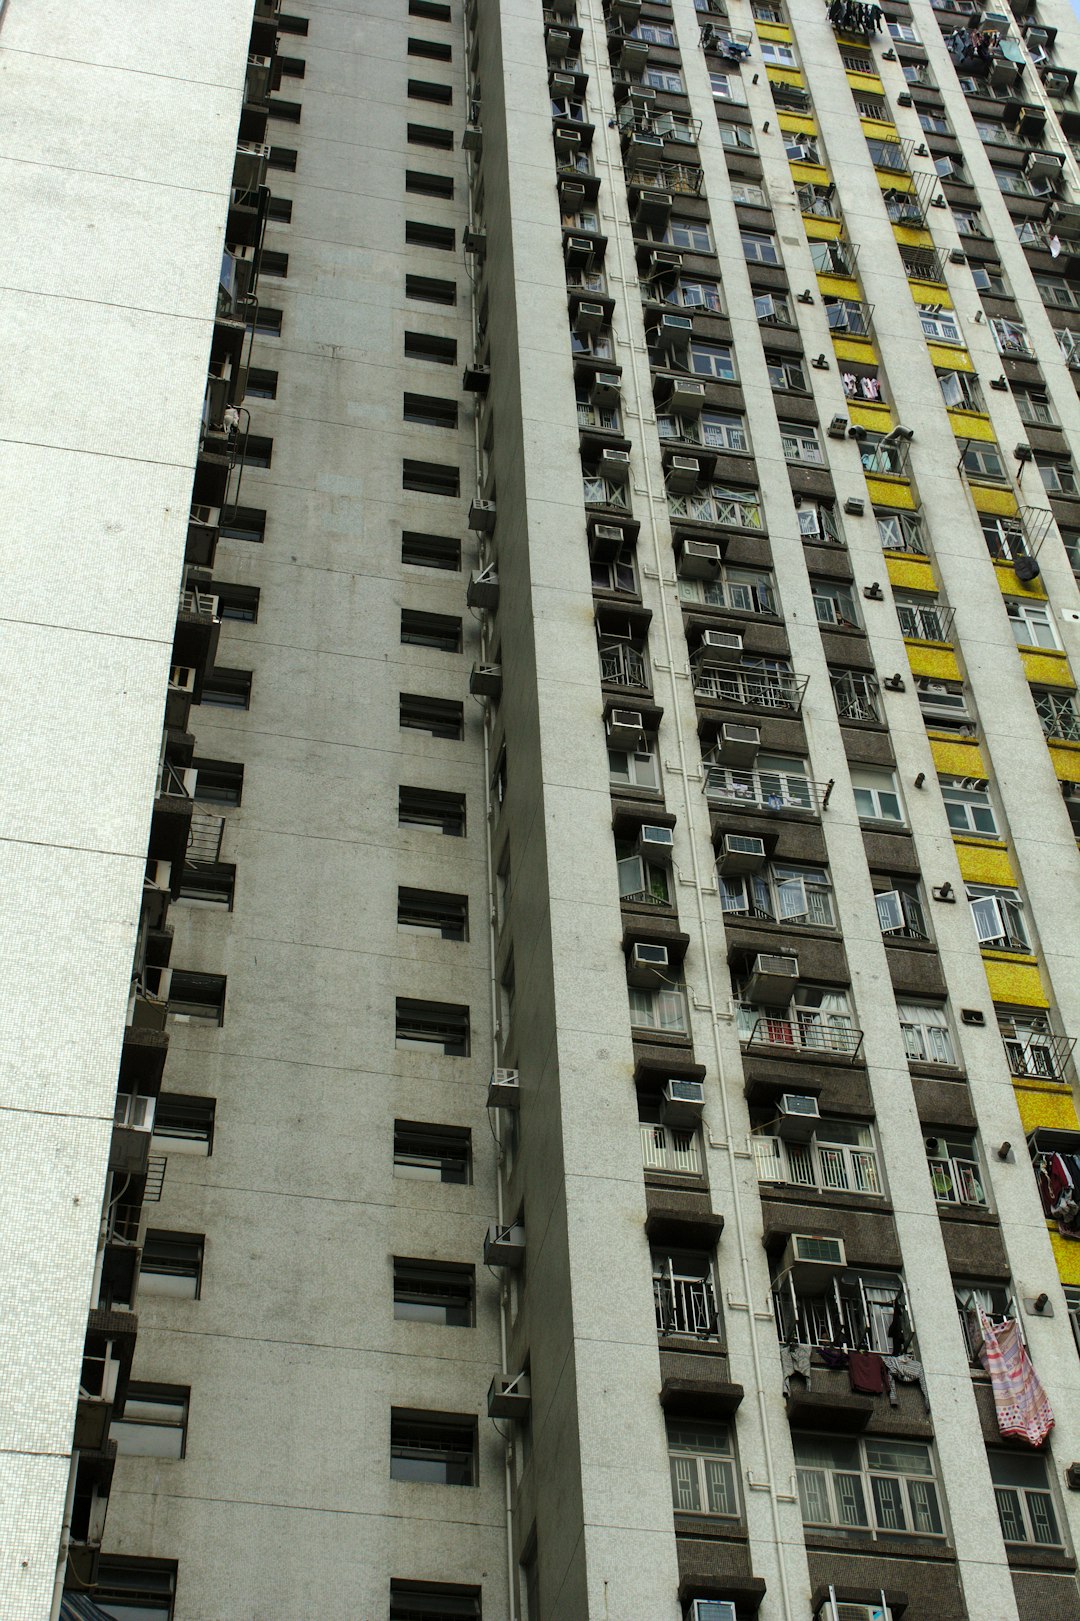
[[1023, 1410]]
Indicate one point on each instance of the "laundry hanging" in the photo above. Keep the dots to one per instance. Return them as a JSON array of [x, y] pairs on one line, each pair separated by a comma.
[[1023, 1409]]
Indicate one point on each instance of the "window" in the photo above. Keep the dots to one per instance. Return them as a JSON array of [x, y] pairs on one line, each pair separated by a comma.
[[899, 908], [800, 443], [780, 893], [424, 90], [759, 248], [800, 147], [172, 1264], [136, 1589], [290, 24], [441, 717], [692, 234], [968, 222], [960, 390], [749, 193], [261, 384], [741, 590], [874, 1483], [983, 461], [663, 1009], [431, 551], [772, 309], [425, 1026], [427, 911], [712, 360], [877, 796], [430, 808], [436, 1448], [922, 618], [886, 154], [900, 532], [641, 881], [153, 1422], [425, 184], [197, 996], [1057, 713], [430, 478], [737, 137], [834, 604], [724, 430], [999, 917], [292, 67], [434, 1601], [1031, 623], [427, 1153], [258, 450], [903, 31], [426, 135], [1034, 406], [955, 1173], [1010, 337], [1025, 1502], [272, 264], [246, 523], [432, 9], [1057, 474], [702, 1469], [433, 1292], [935, 123], [284, 158], [968, 807], [925, 1028], [669, 80], [869, 1310], [440, 631], [435, 50], [715, 503], [430, 290], [840, 1156], [819, 524], [288, 112], [832, 258], [786, 373], [219, 782], [693, 293], [727, 87], [847, 315], [421, 235], [654, 34], [208, 884], [267, 322], [638, 767], [938, 324], [227, 689], [429, 346], [781, 56]]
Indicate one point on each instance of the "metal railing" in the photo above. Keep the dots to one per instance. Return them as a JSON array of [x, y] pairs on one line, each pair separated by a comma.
[[685, 1306], [801, 1034], [856, 696], [665, 1149], [931, 624], [1037, 1055], [736, 595], [204, 840], [832, 1167], [764, 691], [1058, 717], [760, 790], [685, 179], [624, 667], [199, 602], [175, 783], [923, 264]]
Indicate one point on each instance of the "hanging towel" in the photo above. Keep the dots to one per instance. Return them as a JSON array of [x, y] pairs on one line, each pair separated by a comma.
[[1023, 1410], [794, 1359], [866, 1372]]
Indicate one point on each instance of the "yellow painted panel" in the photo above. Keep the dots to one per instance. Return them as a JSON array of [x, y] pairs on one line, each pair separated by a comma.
[[785, 76], [809, 174], [959, 760], [860, 349], [878, 418], [1066, 761], [838, 286], [773, 31], [988, 500], [1015, 982], [1047, 669], [1067, 1255], [819, 230], [799, 123], [930, 292], [951, 357], [985, 864], [888, 492], [912, 236], [971, 425], [880, 129], [939, 663], [911, 573], [865, 81], [889, 180], [1011, 586], [1055, 1109]]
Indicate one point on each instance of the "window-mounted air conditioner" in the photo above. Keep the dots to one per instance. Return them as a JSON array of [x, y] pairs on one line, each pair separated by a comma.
[[626, 12], [857, 1612], [737, 745], [483, 589], [571, 196], [772, 979], [640, 144], [606, 388], [508, 1397], [699, 559], [473, 138], [1043, 165], [721, 647], [588, 317], [711, 1609], [476, 379], [482, 516], [662, 263], [562, 83], [605, 542], [181, 678], [813, 1261], [798, 1117], [653, 207], [655, 841], [249, 168], [687, 398], [485, 680], [504, 1245], [474, 241], [740, 853], [682, 474], [633, 55], [642, 97], [647, 963], [624, 728], [614, 465], [674, 333], [838, 426], [567, 141], [557, 41], [683, 1101], [504, 1089], [578, 253]]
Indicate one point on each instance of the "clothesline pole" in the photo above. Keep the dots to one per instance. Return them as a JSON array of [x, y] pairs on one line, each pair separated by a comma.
[[832, 1604]]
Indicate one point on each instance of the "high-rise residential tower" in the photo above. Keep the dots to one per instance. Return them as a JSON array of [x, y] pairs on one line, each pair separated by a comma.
[[540, 811]]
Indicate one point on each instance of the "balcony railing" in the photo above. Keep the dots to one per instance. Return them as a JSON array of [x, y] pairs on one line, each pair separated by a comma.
[[923, 264], [685, 1306], [758, 1028], [199, 602], [766, 691], [204, 840], [828, 1167], [1057, 717], [760, 790], [683, 179], [175, 782], [931, 624], [665, 1149], [624, 667], [1037, 1055], [956, 1181], [857, 697]]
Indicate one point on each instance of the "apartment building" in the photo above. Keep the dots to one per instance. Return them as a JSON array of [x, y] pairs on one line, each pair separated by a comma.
[[540, 991]]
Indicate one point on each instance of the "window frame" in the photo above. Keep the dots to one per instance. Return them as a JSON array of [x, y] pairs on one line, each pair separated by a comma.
[[424, 1437]]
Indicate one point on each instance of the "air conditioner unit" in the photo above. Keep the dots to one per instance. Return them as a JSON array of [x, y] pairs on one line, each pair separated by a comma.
[[813, 1261], [473, 138], [683, 1101], [686, 398], [181, 678], [605, 542], [482, 590], [557, 41], [838, 428], [738, 745], [625, 728], [655, 841], [249, 168], [614, 465], [606, 388], [772, 979], [567, 141], [474, 241], [562, 84], [699, 559], [571, 196], [588, 317], [798, 1117], [626, 12], [740, 853], [578, 253], [720, 647], [654, 207], [647, 964], [674, 333], [857, 1612], [482, 516], [642, 145], [476, 379], [504, 1245], [634, 55], [504, 1089], [485, 681], [1043, 165], [508, 1398], [664, 264], [682, 474], [711, 1609]]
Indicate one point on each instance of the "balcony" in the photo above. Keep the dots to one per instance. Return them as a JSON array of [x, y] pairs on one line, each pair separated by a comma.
[[760, 1029], [677, 179], [170, 825], [931, 624], [1036, 1055], [1055, 1157], [672, 1150], [760, 790], [820, 1166], [774, 690], [195, 638]]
